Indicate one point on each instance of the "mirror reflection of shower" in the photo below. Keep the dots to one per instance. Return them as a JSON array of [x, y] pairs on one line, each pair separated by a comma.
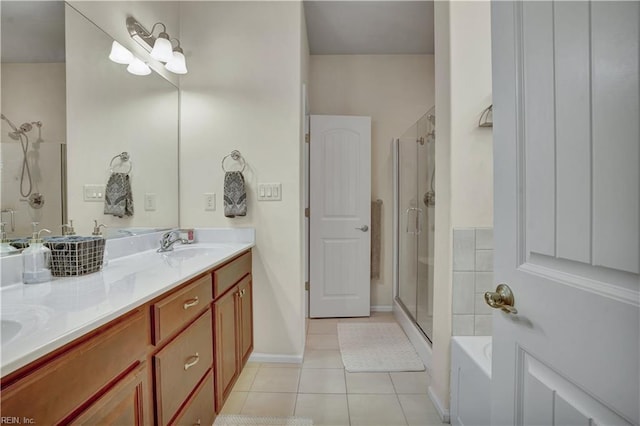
[[36, 200]]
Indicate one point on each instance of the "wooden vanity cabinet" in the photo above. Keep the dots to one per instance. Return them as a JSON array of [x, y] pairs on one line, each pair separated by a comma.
[[168, 362], [83, 379], [233, 324]]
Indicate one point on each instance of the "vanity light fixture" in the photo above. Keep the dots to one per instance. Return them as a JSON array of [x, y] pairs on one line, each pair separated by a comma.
[[177, 64], [160, 47], [137, 67], [120, 54]]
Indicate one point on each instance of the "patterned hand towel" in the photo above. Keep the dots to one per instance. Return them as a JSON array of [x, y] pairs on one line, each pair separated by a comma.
[[235, 196], [118, 198]]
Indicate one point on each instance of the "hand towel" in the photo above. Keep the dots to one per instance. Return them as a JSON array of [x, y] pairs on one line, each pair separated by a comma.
[[118, 198], [235, 195], [376, 234]]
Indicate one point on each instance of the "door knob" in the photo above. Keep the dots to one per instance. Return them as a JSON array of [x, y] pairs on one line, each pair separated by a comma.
[[502, 299], [363, 228]]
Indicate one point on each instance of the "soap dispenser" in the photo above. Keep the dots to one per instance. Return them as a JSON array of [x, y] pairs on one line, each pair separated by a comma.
[[35, 259], [67, 229], [97, 232], [5, 247]]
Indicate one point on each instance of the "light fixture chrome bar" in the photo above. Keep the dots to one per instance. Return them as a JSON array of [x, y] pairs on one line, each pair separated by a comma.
[[140, 34]]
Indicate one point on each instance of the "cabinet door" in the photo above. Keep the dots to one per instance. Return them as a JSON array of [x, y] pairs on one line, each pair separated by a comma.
[[226, 348], [122, 405], [245, 319]]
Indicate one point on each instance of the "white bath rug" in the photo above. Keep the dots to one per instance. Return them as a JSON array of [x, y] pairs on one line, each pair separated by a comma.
[[370, 347], [240, 420]]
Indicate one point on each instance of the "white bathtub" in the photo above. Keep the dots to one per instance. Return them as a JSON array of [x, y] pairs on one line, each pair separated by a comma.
[[471, 380]]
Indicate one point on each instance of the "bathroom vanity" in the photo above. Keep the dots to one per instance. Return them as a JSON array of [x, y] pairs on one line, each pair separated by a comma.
[[121, 350]]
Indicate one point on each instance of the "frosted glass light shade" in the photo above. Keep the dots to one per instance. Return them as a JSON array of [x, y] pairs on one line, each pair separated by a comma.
[[162, 50], [137, 67], [177, 64], [120, 54]]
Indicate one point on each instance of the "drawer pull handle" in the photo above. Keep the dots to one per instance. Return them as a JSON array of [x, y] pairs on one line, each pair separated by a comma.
[[193, 360], [191, 302]]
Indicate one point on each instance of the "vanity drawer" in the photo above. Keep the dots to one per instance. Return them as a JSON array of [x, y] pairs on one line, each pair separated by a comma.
[[174, 311], [225, 277], [180, 365], [199, 408], [64, 382]]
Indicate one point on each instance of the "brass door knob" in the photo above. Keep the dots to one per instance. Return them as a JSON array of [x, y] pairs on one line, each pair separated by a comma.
[[501, 299]]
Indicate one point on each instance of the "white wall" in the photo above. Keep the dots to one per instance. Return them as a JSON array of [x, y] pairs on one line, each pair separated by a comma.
[[124, 112], [464, 166], [395, 90], [33, 92], [243, 92]]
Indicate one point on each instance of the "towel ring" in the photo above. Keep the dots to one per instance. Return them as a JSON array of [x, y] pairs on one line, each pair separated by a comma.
[[124, 157], [235, 155]]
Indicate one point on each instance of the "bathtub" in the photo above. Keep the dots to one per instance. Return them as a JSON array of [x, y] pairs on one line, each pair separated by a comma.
[[471, 380]]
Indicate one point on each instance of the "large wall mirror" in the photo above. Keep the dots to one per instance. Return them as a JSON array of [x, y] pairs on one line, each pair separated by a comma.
[[67, 112]]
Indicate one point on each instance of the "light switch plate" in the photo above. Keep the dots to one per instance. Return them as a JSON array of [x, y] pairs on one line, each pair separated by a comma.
[[150, 201], [93, 192], [269, 192], [209, 201]]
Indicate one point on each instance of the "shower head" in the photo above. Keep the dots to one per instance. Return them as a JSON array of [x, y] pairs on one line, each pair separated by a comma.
[[26, 127], [15, 129]]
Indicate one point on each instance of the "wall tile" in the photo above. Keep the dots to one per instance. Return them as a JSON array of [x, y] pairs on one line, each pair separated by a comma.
[[464, 243], [483, 325], [484, 238], [484, 282], [484, 260], [463, 292], [463, 325]]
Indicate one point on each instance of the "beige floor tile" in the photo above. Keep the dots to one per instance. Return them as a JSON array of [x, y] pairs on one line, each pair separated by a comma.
[[375, 410], [322, 341], [276, 380], [234, 403], [324, 409], [251, 364], [323, 326], [410, 382], [382, 317], [355, 319], [322, 380], [419, 410], [280, 365], [246, 379], [369, 383], [269, 404], [322, 359]]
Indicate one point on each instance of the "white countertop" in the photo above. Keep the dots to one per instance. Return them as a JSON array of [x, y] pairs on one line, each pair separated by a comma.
[[55, 313]]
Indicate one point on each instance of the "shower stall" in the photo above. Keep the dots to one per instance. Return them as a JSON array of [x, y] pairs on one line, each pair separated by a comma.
[[415, 198]]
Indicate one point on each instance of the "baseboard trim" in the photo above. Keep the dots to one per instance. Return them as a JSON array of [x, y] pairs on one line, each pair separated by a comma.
[[276, 358], [382, 308], [442, 412]]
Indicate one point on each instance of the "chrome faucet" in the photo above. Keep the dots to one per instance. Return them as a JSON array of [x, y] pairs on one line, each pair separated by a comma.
[[168, 239]]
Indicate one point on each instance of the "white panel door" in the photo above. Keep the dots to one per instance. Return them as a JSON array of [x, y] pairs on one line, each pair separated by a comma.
[[340, 212], [567, 212]]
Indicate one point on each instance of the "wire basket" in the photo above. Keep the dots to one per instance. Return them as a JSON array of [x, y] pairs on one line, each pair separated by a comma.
[[74, 256]]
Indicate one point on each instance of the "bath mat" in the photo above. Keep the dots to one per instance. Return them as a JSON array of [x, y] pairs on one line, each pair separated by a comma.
[[240, 420], [370, 347]]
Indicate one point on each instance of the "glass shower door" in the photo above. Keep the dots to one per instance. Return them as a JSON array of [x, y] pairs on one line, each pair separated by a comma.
[[416, 204], [407, 223]]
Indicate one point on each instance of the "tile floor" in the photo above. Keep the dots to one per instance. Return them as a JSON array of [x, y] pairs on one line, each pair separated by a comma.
[[321, 389]]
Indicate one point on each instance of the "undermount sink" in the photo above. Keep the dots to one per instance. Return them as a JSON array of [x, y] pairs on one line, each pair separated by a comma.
[[189, 252], [21, 320], [9, 330]]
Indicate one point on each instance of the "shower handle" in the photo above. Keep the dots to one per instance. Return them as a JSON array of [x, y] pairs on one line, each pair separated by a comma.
[[410, 209], [419, 221]]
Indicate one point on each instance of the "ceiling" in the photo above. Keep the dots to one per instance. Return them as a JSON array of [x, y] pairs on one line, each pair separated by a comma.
[[32, 31], [369, 27]]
